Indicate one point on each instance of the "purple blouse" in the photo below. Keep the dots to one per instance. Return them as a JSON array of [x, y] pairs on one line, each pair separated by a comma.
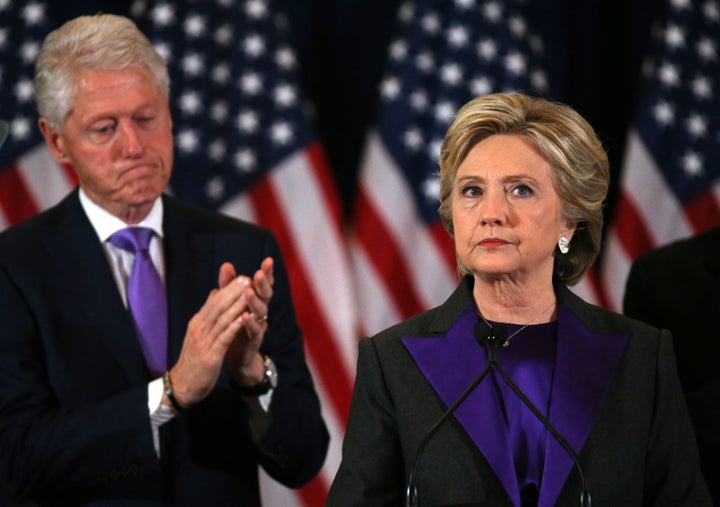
[[529, 361]]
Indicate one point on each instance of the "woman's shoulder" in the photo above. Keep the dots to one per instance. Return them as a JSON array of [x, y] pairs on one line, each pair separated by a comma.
[[421, 324], [604, 321]]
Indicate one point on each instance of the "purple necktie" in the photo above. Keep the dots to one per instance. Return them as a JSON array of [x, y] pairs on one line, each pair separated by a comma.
[[146, 297]]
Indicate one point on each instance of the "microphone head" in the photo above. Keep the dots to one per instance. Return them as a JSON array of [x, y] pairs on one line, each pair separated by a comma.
[[501, 333], [482, 332], [486, 335]]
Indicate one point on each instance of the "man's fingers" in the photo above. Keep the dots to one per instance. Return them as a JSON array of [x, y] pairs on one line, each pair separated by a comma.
[[266, 266], [263, 280], [226, 274]]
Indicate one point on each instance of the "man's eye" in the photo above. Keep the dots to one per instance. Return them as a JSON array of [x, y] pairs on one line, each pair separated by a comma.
[[102, 129]]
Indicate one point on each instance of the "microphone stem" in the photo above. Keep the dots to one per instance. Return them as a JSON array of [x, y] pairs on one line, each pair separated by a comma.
[[585, 500], [491, 346], [411, 492]]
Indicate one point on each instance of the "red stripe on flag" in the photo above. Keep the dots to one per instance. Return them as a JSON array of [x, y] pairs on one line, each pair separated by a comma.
[[384, 253], [315, 492], [630, 227], [315, 153], [320, 344], [15, 199], [703, 212]]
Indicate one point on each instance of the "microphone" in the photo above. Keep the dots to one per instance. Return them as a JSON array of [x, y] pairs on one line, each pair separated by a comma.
[[491, 339], [4, 129], [485, 335]]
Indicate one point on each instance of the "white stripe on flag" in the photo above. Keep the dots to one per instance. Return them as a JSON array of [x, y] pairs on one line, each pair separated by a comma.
[[615, 270], [375, 304], [44, 179]]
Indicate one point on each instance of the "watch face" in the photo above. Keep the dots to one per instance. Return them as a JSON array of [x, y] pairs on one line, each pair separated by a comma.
[[271, 372]]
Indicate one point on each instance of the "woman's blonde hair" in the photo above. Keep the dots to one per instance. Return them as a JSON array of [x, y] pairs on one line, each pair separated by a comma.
[[102, 41], [579, 163]]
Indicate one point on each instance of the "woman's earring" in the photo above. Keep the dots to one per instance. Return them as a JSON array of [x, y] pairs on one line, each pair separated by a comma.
[[564, 244]]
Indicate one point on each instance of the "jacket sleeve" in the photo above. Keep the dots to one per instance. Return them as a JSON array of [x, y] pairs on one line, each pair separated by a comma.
[[371, 471], [294, 449], [53, 450]]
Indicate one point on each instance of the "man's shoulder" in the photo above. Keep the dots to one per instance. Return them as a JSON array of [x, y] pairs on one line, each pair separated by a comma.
[[32, 229], [682, 251], [209, 221]]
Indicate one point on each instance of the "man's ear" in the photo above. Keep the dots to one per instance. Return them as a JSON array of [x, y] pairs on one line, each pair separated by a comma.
[[54, 141]]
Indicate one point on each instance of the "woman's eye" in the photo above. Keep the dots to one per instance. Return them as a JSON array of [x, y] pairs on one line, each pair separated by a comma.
[[471, 191], [522, 190]]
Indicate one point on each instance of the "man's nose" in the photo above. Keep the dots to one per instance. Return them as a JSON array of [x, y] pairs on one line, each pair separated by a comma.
[[131, 143]]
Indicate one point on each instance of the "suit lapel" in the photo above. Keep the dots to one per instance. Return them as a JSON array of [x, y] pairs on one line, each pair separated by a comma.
[[480, 414], [189, 264], [76, 250], [585, 364]]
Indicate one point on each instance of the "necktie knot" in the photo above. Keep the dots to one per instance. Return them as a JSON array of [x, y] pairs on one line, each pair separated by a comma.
[[132, 239]]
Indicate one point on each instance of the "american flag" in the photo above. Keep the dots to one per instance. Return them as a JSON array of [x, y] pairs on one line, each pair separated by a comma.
[[445, 53], [245, 146], [670, 186], [30, 180]]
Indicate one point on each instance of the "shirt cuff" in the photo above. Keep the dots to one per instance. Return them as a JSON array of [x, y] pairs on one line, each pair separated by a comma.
[[159, 413], [265, 400]]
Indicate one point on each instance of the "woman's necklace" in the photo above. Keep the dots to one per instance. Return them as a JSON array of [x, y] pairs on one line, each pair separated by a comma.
[[506, 343]]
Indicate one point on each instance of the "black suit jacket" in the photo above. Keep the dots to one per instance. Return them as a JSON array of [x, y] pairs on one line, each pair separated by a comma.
[[74, 422], [615, 397], [677, 287]]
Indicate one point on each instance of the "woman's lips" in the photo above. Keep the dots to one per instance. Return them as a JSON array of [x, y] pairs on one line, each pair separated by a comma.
[[493, 242]]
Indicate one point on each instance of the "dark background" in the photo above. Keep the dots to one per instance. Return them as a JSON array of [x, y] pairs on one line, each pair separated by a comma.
[[594, 49]]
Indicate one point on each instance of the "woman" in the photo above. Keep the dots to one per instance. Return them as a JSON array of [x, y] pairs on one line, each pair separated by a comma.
[[522, 181]]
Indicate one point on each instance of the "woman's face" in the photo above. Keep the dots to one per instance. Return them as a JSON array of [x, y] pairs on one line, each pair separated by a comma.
[[507, 216]]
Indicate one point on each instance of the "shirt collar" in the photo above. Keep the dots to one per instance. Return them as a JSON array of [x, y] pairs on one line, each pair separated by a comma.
[[106, 224]]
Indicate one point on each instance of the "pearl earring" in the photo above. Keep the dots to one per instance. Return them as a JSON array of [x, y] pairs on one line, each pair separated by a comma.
[[564, 244]]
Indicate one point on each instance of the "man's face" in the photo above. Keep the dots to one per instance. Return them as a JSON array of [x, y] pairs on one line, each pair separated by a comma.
[[118, 138]]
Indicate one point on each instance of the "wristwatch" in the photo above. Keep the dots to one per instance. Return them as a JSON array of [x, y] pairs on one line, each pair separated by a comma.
[[267, 383]]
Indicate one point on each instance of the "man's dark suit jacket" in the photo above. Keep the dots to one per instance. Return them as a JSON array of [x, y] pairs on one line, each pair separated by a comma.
[[74, 418], [615, 397], [677, 287]]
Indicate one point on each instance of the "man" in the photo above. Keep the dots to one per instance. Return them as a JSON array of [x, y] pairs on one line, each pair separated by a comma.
[[136, 366], [677, 287]]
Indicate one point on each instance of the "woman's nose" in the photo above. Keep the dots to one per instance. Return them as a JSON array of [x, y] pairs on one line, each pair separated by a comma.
[[493, 209]]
